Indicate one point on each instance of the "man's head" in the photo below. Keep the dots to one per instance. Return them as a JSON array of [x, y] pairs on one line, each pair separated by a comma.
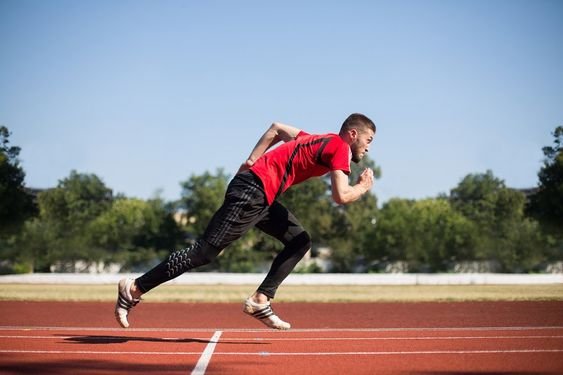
[[358, 131]]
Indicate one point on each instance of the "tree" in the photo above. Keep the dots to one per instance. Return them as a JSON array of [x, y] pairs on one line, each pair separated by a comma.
[[442, 235], [351, 236], [503, 232], [133, 231], [81, 220], [33, 243], [547, 204], [428, 234], [394, 231], [15, 203], [476, 196], [60, 232], [75, 201], [486, 200], [201, 196]]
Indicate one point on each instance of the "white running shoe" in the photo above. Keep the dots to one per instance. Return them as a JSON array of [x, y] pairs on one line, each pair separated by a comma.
[[125, 301], [264, 313]]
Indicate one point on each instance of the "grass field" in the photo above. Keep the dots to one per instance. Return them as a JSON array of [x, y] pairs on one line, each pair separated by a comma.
[[290, 293]]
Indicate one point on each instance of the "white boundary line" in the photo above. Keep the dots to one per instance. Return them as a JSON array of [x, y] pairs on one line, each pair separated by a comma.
[[203, 361], [96, 352], [265, 330], [420, 352], [289, 354], [259, 339]]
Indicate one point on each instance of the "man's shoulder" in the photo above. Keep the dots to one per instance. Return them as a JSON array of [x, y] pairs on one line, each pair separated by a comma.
[[327, 136]]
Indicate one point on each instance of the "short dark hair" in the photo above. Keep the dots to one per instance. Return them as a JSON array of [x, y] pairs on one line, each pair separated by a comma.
[[357, 120]]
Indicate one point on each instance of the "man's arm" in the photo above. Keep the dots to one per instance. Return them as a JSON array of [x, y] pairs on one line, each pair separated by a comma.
[[276, 132], [343, 192]]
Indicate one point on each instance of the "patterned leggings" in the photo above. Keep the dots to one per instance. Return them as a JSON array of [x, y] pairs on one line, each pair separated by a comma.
[[244, 207]]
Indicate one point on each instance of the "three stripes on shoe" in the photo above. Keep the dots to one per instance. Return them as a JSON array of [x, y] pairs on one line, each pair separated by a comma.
[[125, 303], [263, 313]]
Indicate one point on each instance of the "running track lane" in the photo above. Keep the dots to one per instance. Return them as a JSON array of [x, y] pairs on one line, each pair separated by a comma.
[[386, 338]]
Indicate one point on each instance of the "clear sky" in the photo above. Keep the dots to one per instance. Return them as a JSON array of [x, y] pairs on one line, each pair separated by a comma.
[[146, 93]]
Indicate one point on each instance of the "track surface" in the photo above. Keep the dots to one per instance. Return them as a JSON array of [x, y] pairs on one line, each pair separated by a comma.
[[360, 338]]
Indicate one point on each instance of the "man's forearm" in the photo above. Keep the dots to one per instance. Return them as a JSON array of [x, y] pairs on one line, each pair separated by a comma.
[[351, 194], [275, 133], [268, 139], [343, 193]]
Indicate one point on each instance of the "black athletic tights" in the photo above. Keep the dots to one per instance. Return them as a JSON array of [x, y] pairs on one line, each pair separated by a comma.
[[245, 206]]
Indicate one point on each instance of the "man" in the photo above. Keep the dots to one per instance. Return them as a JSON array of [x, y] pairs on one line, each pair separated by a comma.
[[250, 201]]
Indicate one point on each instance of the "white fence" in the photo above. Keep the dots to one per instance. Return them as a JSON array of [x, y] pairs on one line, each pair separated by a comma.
[[200, 278]]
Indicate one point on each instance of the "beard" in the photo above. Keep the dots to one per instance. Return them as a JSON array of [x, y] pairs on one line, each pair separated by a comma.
[[356, 154], [356, 158]]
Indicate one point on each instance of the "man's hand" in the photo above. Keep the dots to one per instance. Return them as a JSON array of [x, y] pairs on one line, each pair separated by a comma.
[[343, 193], [366, 179]]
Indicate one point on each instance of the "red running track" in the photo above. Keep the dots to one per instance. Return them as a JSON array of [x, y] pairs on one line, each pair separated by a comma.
[[347, 338]]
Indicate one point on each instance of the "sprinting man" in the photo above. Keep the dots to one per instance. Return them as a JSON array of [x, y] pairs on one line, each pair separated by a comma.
[[251, 201]]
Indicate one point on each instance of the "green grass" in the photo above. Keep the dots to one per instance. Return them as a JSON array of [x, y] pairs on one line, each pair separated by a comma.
[[290, 293]]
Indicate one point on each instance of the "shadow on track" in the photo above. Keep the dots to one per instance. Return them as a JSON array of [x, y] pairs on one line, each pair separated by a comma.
[[104, 339]]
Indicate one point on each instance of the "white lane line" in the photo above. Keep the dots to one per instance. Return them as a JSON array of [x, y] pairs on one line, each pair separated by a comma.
[[399, 338], [424, 352], [203, 361], [259, 339], [293, 330], [288, 354], [105, 338], [96, 352]]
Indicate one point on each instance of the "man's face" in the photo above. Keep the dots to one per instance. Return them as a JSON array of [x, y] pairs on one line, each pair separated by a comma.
[[361, 144]]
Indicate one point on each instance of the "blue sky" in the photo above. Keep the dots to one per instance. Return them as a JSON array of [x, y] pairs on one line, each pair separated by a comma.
[[146, 93]]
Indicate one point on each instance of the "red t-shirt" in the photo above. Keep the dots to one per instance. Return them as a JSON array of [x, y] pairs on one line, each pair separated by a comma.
[[306, 156]]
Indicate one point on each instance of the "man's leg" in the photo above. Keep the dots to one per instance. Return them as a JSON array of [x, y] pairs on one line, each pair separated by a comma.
[[283, 225], [244, 205], [197, 255], [242, 208]]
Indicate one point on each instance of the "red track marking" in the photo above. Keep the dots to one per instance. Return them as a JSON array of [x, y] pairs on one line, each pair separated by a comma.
[[329, 353], [315, 315], [422, 338]]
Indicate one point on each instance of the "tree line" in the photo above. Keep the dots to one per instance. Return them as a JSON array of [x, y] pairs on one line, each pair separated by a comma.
[[480, 220]]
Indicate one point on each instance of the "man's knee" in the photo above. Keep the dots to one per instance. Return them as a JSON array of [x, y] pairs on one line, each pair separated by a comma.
[[203, 253], [301, 242], [197, 255]]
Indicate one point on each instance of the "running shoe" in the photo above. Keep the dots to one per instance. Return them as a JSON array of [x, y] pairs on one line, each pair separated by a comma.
[[264, 313], [125, 301]]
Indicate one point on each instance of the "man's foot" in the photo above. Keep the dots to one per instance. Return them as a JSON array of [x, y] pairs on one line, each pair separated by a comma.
[[264, 313], [125, 301]]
